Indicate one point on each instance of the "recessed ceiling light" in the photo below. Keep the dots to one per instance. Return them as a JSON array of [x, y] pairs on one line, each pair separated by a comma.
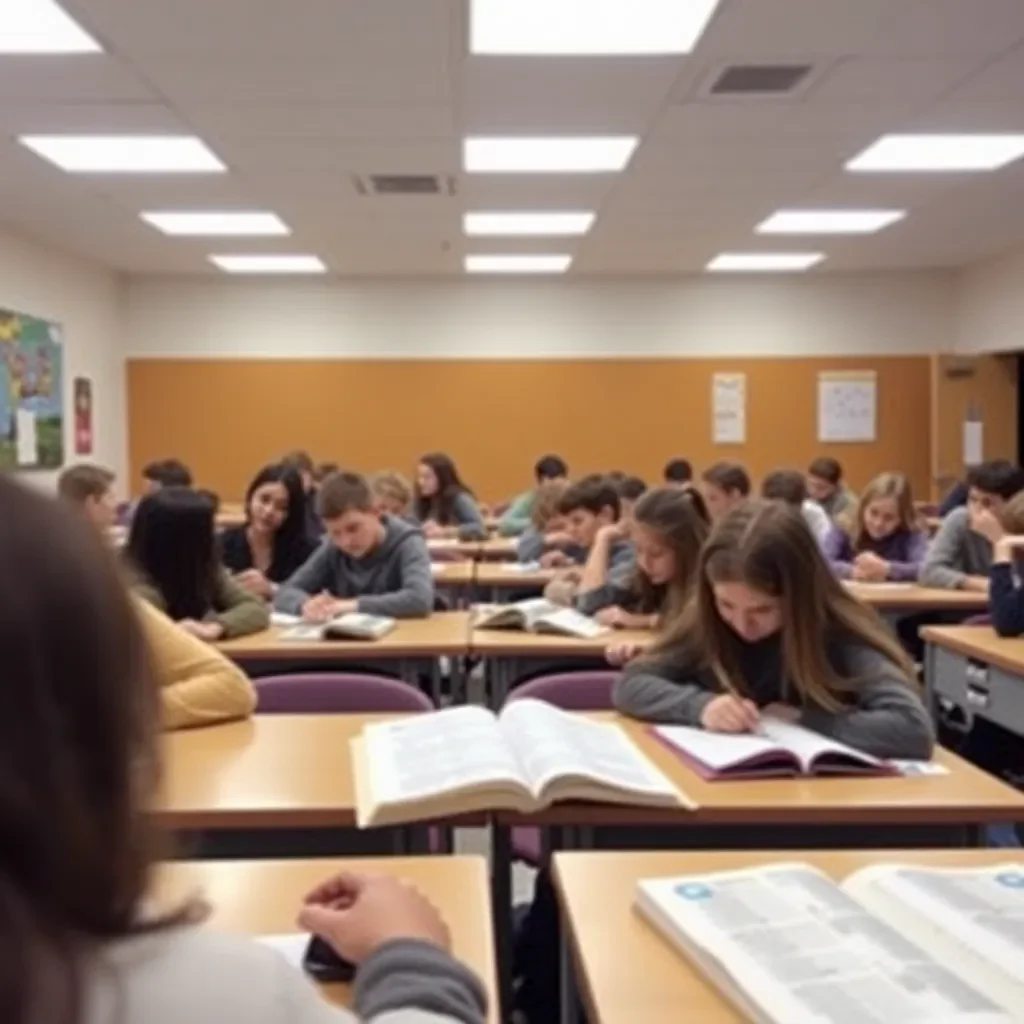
[[508, 224], [217, 223], [546, 264], [41, 26], [125, 154], [587, 27], [828, 222], [547, 155], [270, 264], [765, 262], [939, 153]]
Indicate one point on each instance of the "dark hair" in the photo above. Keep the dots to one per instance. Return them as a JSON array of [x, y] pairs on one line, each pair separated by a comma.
[[341, 493], [171, 544], [300, 460], [550, 467], [730, 477], [449, 486], [593, 493], [678, 471], [999, 477], [79, 759], [77, 483], [786, 485], [616, 476], [323, 470], [631, 489], [290, 544], [828, 469], [212, 497], [168, 473]]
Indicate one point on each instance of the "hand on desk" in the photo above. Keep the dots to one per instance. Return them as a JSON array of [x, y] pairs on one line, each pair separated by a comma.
[[208, 631], [357, 914], [324, 607], [254, 582], [554, 560], [869, 568]]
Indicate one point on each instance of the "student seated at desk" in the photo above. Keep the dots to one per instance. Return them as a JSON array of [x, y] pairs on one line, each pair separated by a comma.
[[883, 541], [960, 556], [302, 462], [1006, 535], [172, 548], [84, 940], [90, 490], [770, 629], [444, 505], [825, 486], [273, 544], [678, 473], [370, 562], [726, 485], [165, 473], [392, 495], [631, 490], [789, 487], [546, 531], [517, 518]]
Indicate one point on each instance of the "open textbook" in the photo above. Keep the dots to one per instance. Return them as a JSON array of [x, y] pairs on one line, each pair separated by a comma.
[[466, 759], [351, 626], [891, 944], [538, 616]]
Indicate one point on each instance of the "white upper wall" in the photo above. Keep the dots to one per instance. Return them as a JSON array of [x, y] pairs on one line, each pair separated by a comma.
[[817, 315], [990, 306], [87, 302]]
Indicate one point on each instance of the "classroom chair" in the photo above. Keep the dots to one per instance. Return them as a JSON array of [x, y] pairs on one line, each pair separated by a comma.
[[571, 691], [335, 693]]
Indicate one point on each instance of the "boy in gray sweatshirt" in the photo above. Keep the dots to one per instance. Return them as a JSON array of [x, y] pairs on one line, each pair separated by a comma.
[[960, 558], [370, 563]]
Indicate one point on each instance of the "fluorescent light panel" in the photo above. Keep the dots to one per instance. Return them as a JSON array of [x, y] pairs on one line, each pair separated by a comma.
[[207, 224], [587, 27], [125, 154], [765, 262], [939, 153], [269, 264], [547, 155], [41, 26], [498, 225], [828, 222], [518, 264]]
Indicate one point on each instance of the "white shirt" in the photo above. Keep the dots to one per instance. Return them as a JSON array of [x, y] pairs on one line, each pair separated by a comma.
[[817, 519]]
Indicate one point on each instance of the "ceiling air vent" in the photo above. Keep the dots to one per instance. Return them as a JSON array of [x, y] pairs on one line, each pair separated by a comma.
[[405, 184], [759, 79]]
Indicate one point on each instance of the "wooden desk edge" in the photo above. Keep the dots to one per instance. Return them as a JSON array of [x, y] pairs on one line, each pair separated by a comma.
[[958, 644]]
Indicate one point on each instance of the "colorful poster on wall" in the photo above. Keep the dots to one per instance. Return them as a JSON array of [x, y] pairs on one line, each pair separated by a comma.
[[82, 391], [31, 392]]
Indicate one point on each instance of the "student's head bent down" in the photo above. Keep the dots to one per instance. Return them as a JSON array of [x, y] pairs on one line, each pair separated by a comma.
[[352, 522]]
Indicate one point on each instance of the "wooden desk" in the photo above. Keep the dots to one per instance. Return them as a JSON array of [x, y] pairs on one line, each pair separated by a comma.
[[629, 973], [893, 599], [504, 576], [263, 898], [498, 549], [455, 577], [978, 671], [452, 545]]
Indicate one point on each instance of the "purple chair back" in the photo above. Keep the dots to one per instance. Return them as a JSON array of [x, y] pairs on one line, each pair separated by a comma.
[[571, 691], [978, 620], [335, 693]]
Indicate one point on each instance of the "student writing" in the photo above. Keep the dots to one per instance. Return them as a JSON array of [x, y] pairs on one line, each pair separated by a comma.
[[882, 541], [172, 548], [518, 516], [770, 630], [725, 485], [825, 486], [444, 505], [274, 543], [84, 943], [370, 563]]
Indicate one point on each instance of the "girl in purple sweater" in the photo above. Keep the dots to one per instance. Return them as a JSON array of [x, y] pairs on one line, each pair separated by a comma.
[[883, 542]]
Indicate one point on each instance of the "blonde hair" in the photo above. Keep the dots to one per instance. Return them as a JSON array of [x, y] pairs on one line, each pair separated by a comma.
[[545, 503], [393, 487], [887, 485], [767, 546]]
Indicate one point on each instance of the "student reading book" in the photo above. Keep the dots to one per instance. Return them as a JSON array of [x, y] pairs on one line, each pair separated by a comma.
[[348, 626], [1006, 597], [90, 490], [960, 556], [882, 542], [726, 485], [893, 942], [538, 615], [369, 563], [789, 486], [825, 486], [443, 504], [273, 543], [771, 630], [465, 759], [518, 516]]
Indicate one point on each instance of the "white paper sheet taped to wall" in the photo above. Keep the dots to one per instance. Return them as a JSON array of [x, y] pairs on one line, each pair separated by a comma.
[[848, 406], [729, 408]]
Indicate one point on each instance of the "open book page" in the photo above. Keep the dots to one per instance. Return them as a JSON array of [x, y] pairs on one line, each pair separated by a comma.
[[432, 754], [787, 942], [570, 622], [808, 745], [552, 745], [536, 609], [717, 750], [971, 919]]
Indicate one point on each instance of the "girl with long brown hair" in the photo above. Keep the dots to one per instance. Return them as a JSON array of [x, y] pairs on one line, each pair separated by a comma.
[[770, 630]]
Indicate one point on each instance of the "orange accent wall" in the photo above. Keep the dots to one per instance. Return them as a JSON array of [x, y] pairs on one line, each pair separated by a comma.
[[226, 417]]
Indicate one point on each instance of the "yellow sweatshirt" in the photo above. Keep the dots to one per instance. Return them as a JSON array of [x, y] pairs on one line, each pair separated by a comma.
[[199, 686]]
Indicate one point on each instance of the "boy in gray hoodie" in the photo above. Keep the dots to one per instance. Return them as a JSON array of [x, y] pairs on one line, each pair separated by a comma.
[[369, 562]]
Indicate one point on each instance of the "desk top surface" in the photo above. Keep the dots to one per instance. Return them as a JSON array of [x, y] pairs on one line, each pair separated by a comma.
[[980, 642], [516, 643], [913, 597], [630, 973]]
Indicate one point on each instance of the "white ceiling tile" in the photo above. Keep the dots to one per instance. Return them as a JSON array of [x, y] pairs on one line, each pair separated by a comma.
[[88, 118], [883, 78], [1001, 79], [936, 28], [73, 78]]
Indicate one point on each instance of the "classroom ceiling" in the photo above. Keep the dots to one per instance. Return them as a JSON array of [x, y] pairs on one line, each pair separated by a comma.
[[304, 99]]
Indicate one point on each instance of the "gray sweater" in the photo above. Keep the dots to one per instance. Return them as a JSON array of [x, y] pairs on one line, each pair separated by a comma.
[[621, 567], [203, 977], [955, 553], [466, 516], [885, 716], [393, 580]]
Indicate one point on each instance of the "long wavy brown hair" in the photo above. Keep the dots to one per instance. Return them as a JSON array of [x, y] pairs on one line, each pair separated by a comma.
[[766, 546], [78, 759]]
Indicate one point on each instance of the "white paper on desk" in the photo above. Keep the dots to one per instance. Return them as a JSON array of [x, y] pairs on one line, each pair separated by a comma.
[[291, 947], [28, 444], [910, 769], [729, 408], [284, 619], [520, 567]]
